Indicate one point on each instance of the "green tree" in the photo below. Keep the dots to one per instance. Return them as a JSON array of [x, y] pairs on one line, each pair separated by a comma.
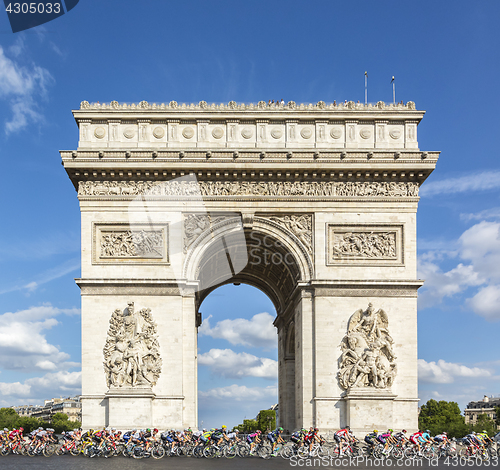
[[60, 422], [442, 416], [497, 412], [30, 423], [266, 420], [485, 423], [8, 418], [250, 425]]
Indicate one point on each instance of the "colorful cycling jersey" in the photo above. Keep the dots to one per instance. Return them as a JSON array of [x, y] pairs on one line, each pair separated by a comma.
[[441, 437], [252, 436], [343, 433], [400, 436], [425, 436]]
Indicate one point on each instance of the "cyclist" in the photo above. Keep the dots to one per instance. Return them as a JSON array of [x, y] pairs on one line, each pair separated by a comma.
[[274, 437], [371, 439], [253, 439], [415, 439], [341, 436]]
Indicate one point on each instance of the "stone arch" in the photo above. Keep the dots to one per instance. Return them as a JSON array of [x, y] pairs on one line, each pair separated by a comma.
[[277, 261]]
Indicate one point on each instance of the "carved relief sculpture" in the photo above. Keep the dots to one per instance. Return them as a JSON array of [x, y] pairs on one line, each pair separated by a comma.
[[380, 245], [132, 352], [195, 225], [300, 226], [367, 359], [129, 244], [249, 188]]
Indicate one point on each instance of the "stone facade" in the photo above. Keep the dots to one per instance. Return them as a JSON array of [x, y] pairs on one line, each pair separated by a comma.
[[314, 204], [487, 406]]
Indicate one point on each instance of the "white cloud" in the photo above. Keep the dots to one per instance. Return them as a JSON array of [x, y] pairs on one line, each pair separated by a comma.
[[479, 246], [240, 393], [493, 213], [443, 372], [259, 331], [487, 302], [20, 86], [227, 363], [476, 182], [23, 345], [37, 389], [439, 284]]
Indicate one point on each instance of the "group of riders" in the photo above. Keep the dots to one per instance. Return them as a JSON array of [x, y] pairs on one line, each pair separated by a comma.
[[344, 439]]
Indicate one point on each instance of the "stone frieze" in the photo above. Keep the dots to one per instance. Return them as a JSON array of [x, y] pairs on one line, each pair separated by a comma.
[[249, 188]]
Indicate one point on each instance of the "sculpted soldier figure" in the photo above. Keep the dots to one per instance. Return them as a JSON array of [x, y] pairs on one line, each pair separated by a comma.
[[131, 352], [367, 355]]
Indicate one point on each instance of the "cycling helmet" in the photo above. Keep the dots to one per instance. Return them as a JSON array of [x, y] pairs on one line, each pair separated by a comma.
[[22, 429], [428, 432], [485, 432], [347, 427], [316, 429], [259, 431], [375, 430], [212, 429], [224, 426], [404, 431], [280, 429], [155, 430], [391, 430], [148, 430]]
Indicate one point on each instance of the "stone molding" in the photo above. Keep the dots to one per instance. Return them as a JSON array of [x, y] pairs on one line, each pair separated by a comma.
[[365, 244], [368, 288], [127, 287]]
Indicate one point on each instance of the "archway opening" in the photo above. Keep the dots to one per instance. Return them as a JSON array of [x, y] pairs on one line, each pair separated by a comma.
[[237, 356], [272, 270]]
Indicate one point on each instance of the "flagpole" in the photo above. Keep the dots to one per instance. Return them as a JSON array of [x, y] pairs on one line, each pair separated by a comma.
[[366, 88], [393, 81]]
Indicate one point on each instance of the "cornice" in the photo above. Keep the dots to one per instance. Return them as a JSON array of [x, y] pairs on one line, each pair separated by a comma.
[[233, 107]]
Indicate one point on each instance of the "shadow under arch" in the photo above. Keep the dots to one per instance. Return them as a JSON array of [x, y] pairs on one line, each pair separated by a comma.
[[266, 256]]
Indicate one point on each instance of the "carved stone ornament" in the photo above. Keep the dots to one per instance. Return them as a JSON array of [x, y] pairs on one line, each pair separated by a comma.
[[367, 359], [378, 245], [233, 105], [299, 225], [195, 225], [249, 188], [132, 352], [129, 244]]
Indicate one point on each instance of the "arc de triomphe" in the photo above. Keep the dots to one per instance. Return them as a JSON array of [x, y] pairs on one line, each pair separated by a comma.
[[313, 204]]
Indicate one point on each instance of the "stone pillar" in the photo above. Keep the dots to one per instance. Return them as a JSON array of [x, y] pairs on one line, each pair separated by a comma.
[[189, 359], [286, 377], [304, 360]]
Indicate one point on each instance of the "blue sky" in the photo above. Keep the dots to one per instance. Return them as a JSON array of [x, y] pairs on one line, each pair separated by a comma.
[[445, 57]]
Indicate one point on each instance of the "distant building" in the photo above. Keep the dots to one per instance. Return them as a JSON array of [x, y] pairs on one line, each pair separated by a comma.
[[72, 407], [485, 406], [26, 411]]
